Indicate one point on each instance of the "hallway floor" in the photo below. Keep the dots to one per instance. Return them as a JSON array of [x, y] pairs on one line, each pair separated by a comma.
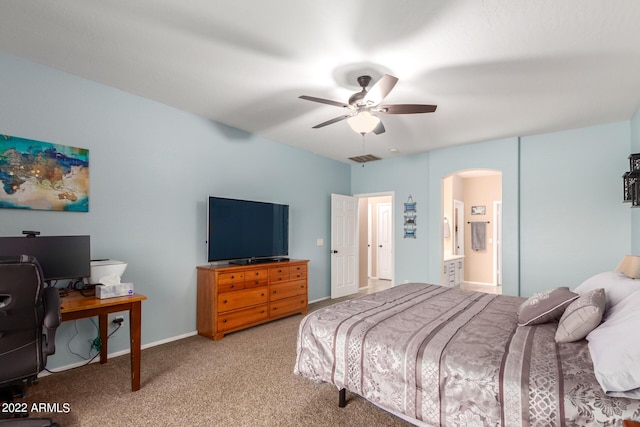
[[489, 289], [375, 285]]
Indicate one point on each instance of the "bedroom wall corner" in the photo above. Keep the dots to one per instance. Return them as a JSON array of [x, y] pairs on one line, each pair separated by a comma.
[[573, 222]]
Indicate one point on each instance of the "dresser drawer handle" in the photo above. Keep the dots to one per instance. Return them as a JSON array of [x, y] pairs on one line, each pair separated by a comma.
[[233, 286], [274, 291], [275, 308], [224, 320], [301, 286], [224, 302], [261, 311], [257, 281], [257, 273], [262, 294], [233, 277]]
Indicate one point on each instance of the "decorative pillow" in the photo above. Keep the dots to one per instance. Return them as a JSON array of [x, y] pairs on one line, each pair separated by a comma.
[[545, 307], [616, 285], [615, 349], [581, 316]]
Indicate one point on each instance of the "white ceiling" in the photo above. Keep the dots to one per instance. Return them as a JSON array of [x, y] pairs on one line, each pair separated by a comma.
[[495, 68]]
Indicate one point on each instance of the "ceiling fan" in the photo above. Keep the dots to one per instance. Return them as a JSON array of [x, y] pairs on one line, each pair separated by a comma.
[[365, 106]]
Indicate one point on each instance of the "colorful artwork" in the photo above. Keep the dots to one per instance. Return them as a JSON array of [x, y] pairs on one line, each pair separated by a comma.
[[44, 176]]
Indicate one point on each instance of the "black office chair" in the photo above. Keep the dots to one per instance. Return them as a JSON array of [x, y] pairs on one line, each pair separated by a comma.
[[29, 316]]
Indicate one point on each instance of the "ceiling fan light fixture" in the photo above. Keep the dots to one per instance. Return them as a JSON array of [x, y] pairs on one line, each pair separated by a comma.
[[363, 122]]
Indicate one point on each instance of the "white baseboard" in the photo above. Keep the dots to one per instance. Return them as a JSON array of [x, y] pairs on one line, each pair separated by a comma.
[[117, 353], [320, 299]]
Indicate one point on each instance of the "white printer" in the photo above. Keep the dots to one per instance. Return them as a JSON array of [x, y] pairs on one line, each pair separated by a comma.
[[106, 275]]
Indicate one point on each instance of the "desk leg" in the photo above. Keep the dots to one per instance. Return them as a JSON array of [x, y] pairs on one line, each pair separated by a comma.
[[103, 324], [135, 324]]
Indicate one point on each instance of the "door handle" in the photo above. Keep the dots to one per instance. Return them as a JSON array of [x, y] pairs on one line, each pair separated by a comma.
[[379, 246], [334, 251]]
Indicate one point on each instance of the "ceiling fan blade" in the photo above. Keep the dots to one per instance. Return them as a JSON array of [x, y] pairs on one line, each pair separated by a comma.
[[380, 90], [324, 101], [406, 108], [379, 128], [332, 121]]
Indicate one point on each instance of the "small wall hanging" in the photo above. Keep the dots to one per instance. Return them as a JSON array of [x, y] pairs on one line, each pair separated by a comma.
[[410, 218], [44, 176], [478, 210]]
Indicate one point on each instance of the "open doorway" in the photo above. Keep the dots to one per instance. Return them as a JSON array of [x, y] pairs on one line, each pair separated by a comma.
[[472, 230], [376, 267]]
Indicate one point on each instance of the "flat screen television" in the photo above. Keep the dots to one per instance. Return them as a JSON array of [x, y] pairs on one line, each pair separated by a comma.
[[61, 257], [245, 231]]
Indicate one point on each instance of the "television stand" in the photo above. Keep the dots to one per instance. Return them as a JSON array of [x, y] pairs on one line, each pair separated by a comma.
[[235, 297]]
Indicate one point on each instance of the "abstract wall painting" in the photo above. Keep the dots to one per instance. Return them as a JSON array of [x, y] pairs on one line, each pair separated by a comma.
[[43, 176]]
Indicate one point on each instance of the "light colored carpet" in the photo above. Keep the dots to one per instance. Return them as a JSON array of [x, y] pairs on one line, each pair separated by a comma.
[[245, 379]]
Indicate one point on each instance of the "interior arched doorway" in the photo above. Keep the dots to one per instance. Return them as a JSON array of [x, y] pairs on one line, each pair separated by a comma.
[[472, 230]]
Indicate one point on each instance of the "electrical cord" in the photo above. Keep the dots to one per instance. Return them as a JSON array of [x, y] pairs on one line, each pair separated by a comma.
[[93, 344]]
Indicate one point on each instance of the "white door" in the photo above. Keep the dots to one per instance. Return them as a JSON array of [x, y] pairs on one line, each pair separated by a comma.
[[344, 245], [385, 241]]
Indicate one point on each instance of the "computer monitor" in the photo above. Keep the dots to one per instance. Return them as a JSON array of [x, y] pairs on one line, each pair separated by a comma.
[[61, 257]]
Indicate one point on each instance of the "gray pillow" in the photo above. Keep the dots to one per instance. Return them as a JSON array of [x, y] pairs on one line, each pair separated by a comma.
[[582, 316], [545, 307]]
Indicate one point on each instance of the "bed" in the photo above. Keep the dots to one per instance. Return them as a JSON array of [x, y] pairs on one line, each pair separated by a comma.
[[443, 356]]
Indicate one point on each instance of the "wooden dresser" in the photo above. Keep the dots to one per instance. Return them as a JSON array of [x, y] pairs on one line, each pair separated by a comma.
[[235, 297]]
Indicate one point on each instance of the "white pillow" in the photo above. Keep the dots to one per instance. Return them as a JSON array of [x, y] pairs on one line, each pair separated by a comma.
[[616, 285], [615, 349]]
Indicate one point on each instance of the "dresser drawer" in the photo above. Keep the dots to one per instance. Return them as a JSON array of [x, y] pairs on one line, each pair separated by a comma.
[[279, 274], [298, 272], [238, 318], [231, 277], [288, 305], [255, 278], [230, 286], [240, 299], [288, 289]]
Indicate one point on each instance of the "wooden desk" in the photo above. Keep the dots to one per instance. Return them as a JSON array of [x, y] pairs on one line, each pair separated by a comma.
[[75, 306]]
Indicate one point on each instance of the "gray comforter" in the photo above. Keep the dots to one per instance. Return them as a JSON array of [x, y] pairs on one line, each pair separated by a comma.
[[449, 357]]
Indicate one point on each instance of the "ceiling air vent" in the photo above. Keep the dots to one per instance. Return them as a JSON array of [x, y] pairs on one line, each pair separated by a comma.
[[365, 158]]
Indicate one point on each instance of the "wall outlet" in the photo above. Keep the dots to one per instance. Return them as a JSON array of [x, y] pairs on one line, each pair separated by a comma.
[[118, 319], [406, 280], [320, 242]]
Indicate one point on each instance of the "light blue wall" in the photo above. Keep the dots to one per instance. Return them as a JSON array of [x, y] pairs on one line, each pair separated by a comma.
[[152, 168], [501, 155], [563, 219], [405, 176], [573, 222]]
